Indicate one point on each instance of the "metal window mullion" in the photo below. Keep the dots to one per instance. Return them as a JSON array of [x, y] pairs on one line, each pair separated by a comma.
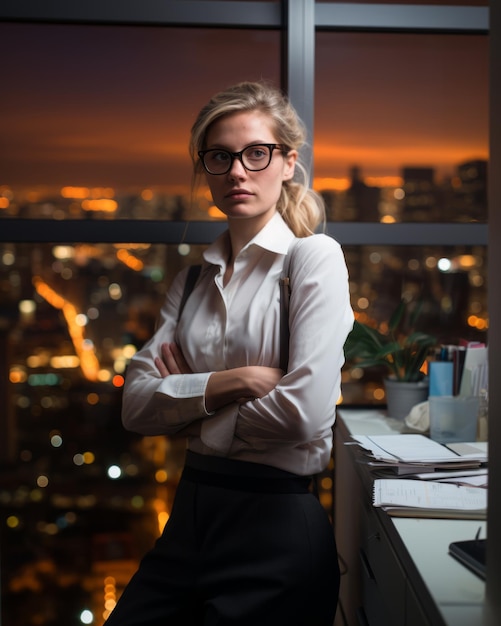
[[200, 232], [338, 15], [394, 17], [298, 65], [146, 12]]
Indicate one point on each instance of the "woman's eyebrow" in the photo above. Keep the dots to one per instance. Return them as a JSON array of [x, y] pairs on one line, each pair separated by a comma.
[[258, 142]]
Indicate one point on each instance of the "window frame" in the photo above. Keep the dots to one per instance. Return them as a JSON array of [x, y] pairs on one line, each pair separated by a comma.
[[298, 21]]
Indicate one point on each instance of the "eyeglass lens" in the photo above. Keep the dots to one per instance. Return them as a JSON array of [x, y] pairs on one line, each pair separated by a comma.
[[253, 158]]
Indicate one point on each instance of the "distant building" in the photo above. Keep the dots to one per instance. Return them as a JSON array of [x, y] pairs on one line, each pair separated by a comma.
[[361, 200], [421, 194], [471, 192]]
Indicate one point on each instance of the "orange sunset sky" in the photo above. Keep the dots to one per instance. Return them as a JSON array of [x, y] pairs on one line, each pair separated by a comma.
[[113, 105]]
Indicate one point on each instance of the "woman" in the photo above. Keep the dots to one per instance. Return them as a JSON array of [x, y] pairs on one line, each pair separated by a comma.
[[247, 543]]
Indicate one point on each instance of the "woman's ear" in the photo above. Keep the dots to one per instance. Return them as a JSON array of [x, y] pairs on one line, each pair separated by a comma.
[[290, 164]]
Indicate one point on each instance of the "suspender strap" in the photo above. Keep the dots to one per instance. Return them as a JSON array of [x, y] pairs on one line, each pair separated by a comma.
[[191, 279], [285, 291]]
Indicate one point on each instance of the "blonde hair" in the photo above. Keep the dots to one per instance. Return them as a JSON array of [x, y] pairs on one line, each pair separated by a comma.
[[301, 207]]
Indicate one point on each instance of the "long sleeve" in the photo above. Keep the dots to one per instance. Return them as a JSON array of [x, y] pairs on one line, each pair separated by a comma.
[[302, 407], [153, 405]]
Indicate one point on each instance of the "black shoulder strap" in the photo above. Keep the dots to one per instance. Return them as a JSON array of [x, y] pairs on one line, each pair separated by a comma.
[[191, 279], [285, 291]]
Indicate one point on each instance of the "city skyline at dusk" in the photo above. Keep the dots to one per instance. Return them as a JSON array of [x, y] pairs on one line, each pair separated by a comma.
[[113, 107]]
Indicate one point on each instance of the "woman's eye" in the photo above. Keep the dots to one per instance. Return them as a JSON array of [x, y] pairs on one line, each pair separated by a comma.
[[257, 153], [219, 156]]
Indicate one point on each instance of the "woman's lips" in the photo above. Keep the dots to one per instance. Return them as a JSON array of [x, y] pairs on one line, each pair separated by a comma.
[[238, 193]]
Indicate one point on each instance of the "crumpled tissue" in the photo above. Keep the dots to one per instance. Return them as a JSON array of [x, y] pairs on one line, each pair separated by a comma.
[[419, 417]]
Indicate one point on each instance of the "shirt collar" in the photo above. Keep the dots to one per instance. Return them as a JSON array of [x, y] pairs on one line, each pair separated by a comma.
[[275, 236]]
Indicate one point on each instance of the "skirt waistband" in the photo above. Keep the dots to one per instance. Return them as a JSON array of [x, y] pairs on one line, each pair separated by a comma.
[[242, 475]]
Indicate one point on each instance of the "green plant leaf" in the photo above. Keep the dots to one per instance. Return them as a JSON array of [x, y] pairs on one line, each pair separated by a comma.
[[415, 313], [400, 354], [397, 316], [363, 339]]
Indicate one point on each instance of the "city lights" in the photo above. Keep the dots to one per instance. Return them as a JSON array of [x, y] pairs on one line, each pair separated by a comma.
[[83, 348], [110, 595], [42, 481], [161, 476], [444, 265], [114, 472], [40, 359], [118, 380], [86, 617], [104, 376], [56, 441], [137, 502], [75, 192], [66, 361], [92, 398], [27, 307], [115, 291], [104, 205], [130, 260], [63, 252], [12, 521], [17, 375], [8, 258]]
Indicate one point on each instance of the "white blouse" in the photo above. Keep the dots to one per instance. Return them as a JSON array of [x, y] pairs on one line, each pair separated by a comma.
[[238, 325]]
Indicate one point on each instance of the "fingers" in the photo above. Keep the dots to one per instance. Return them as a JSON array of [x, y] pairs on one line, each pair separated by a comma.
[[171, 361], [161, 367], [181, 362]]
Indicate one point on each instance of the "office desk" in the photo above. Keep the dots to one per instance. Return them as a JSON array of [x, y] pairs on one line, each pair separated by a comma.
[[395, 571]]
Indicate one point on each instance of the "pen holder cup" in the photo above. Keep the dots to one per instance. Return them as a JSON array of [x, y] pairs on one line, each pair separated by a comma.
[[453, 418]]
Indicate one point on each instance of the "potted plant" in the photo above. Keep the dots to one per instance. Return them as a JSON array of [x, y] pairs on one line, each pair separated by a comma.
[[401, 351]]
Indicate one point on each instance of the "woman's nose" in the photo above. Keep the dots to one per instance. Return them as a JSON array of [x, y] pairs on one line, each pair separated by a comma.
[[237, 169]]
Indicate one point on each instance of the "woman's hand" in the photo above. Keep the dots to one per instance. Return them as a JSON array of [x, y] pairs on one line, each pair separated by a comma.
[[172, 361], [260, 380], [241, 384]]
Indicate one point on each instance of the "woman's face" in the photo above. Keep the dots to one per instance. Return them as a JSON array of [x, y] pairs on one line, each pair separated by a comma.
[[240, 193]]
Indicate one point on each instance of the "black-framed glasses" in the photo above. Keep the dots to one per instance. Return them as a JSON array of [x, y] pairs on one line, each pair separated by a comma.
[[254, 158]]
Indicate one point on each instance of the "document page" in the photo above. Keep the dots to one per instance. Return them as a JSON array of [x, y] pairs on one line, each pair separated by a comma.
[[407, 448], [428, 495]]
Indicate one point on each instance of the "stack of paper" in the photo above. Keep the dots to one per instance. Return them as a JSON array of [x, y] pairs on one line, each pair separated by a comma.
[[413, 454], [433, 468], [415, 498]]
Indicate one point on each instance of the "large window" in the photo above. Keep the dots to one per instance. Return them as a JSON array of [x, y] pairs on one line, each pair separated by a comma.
[[448, 282], [94, 118], [401, 126], [401, 135], [81, 499]]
